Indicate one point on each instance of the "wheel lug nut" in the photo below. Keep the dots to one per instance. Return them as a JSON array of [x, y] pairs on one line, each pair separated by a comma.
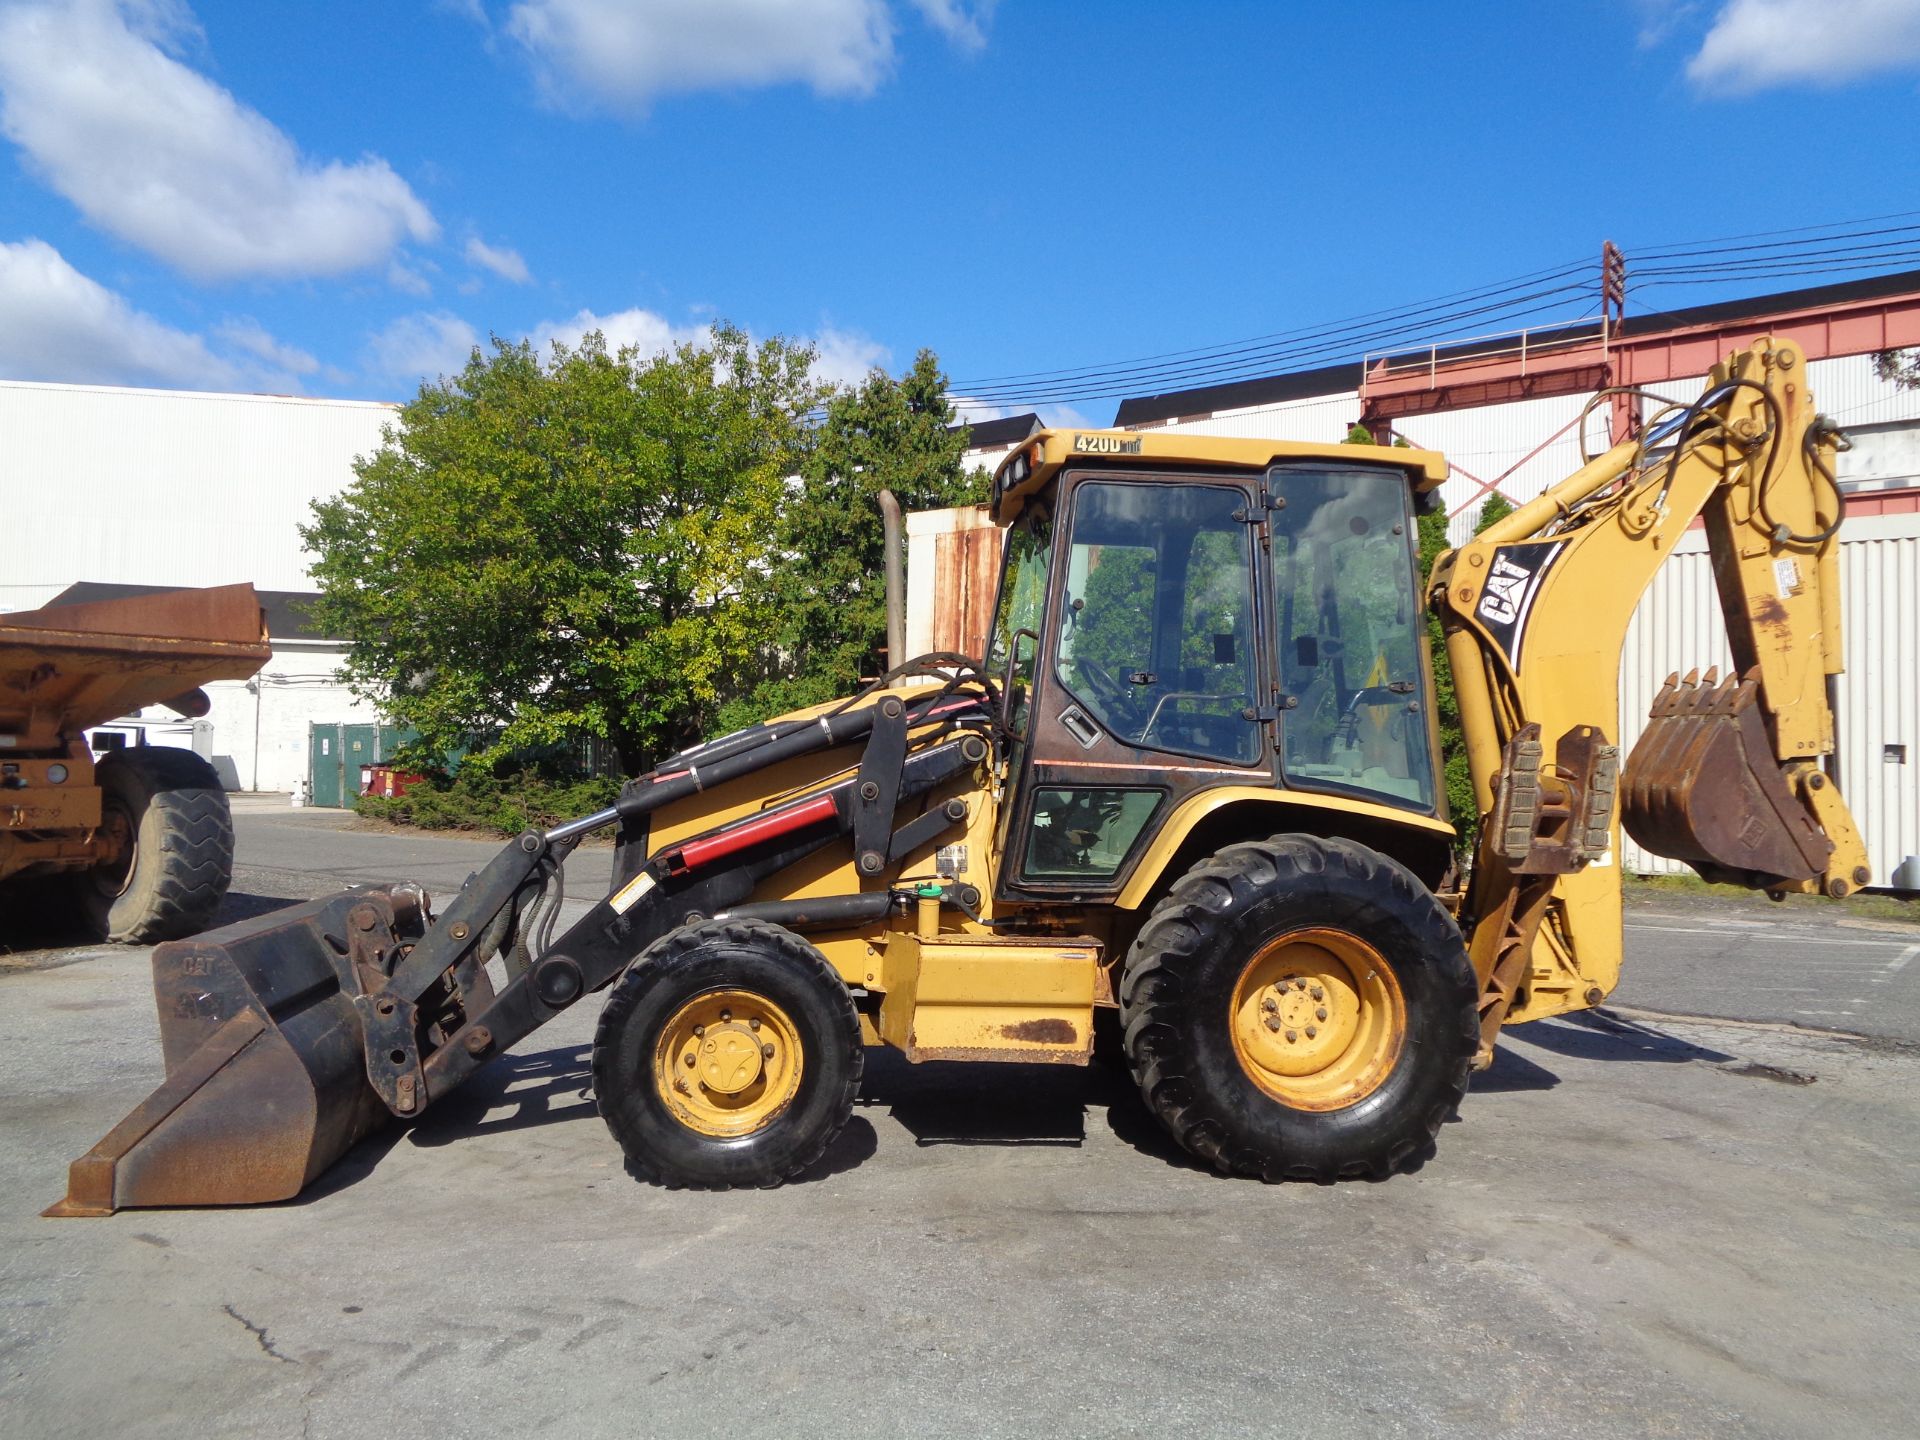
[[1318, 993], [1312, 1030], [1291, 1037], [754, 1023], [1320, 1012], [1273, 1022], [698, 1031], [767, 1050], [725, 1016], [1269, 1004], [691, 1062]]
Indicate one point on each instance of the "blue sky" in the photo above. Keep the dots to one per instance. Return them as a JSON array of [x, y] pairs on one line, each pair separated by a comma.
[[336, 198]]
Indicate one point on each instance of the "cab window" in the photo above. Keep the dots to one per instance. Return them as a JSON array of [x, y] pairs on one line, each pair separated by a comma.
[[1349, 620]]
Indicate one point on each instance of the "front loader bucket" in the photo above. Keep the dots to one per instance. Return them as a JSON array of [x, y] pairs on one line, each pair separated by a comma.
[[1703, 786], [266, 1076]]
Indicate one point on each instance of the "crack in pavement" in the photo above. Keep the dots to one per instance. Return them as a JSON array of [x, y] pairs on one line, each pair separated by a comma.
[[259, 1333]]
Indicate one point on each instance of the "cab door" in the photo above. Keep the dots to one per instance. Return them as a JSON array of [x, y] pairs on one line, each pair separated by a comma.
[[1149, 683]]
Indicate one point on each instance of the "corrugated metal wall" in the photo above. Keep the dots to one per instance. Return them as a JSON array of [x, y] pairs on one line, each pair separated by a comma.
[[161, 487], [1678, 628]]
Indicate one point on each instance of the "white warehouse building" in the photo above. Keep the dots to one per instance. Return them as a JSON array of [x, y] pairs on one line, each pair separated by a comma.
[[110, 491]]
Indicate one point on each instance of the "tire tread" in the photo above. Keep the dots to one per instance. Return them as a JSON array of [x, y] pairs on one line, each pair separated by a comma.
[[792, 949], [1157, 975]]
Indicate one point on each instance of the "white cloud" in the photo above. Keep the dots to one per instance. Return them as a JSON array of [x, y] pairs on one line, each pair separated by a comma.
[[647, 332], [845, 358], [421, 346], [504, 262], [403, 277], [616, 53], [160, 156], [59, 325], [1758, 44], [248, 335], [965, 25], [842, 357]]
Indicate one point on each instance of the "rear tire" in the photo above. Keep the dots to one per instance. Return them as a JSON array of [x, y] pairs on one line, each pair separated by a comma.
[[678, 1062], [1258, 943], [179, 857]]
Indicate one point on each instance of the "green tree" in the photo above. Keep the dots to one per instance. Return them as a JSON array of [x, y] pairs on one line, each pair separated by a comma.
[[581, 543], [828, 584], [1902, 367]]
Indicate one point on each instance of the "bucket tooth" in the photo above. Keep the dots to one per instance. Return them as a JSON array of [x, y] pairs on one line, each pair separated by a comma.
[[266, 1073], [1703, 786]]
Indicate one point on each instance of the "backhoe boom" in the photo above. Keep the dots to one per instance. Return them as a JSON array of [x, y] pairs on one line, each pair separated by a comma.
[[1730, 775]]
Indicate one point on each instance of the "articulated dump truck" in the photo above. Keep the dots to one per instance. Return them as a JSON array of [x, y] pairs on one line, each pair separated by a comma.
[[1193, 781], [136, 846]]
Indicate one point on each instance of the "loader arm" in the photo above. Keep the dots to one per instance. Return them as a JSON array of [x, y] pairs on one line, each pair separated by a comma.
[[1731, 775]]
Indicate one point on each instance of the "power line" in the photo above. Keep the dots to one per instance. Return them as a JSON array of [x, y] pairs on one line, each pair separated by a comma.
[[1813, 249], [1344, 342], [1296, 358]]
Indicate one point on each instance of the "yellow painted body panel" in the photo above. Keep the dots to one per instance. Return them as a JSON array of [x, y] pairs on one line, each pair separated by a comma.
[[961, 997], [1292, 810], [1036, 464]]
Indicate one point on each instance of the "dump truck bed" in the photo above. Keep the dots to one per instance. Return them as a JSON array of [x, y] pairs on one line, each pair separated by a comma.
[[66, 668]]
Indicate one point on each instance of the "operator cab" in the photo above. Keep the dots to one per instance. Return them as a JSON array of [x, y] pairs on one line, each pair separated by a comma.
[[1178, 614]]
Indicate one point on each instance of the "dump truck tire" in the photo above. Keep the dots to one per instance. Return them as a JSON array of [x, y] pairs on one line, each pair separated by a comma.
[[171, 882], [728, 1055], [1301, 1008]]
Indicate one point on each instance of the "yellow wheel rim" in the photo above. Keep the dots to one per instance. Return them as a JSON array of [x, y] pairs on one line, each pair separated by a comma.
[[1318, 1020], [728, 1062]]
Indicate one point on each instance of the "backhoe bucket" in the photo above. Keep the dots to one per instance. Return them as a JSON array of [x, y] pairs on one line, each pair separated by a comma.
[[1703, 786], [266, 1076]]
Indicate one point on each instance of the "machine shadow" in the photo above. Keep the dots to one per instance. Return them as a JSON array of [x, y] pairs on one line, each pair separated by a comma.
[[545, 1087], [1599, 1035], [1016, 1105], [1510, 1073], [975, 1104], [955, 1104]]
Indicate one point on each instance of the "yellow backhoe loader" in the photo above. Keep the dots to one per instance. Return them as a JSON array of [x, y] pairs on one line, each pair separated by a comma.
[[1193, 780]]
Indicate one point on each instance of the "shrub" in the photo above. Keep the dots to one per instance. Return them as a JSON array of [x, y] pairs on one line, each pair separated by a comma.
[[479, 797]]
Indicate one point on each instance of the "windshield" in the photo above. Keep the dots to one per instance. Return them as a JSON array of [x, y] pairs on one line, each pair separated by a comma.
[[1157, 620], [1349, 619]]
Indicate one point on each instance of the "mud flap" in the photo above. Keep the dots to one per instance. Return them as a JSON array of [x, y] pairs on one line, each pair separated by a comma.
[[266, 1072], [1703, 786]]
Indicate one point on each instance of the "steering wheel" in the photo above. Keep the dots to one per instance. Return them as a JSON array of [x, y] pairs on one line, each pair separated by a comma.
[[1374, 695], [1118, 697]]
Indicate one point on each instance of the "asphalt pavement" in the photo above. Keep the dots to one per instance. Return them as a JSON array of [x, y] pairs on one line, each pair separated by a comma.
[[1698, 1228]]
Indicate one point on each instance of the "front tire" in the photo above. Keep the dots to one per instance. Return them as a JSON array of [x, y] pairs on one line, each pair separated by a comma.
[[1300, 1008], [728, 1055], [170, 817]]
